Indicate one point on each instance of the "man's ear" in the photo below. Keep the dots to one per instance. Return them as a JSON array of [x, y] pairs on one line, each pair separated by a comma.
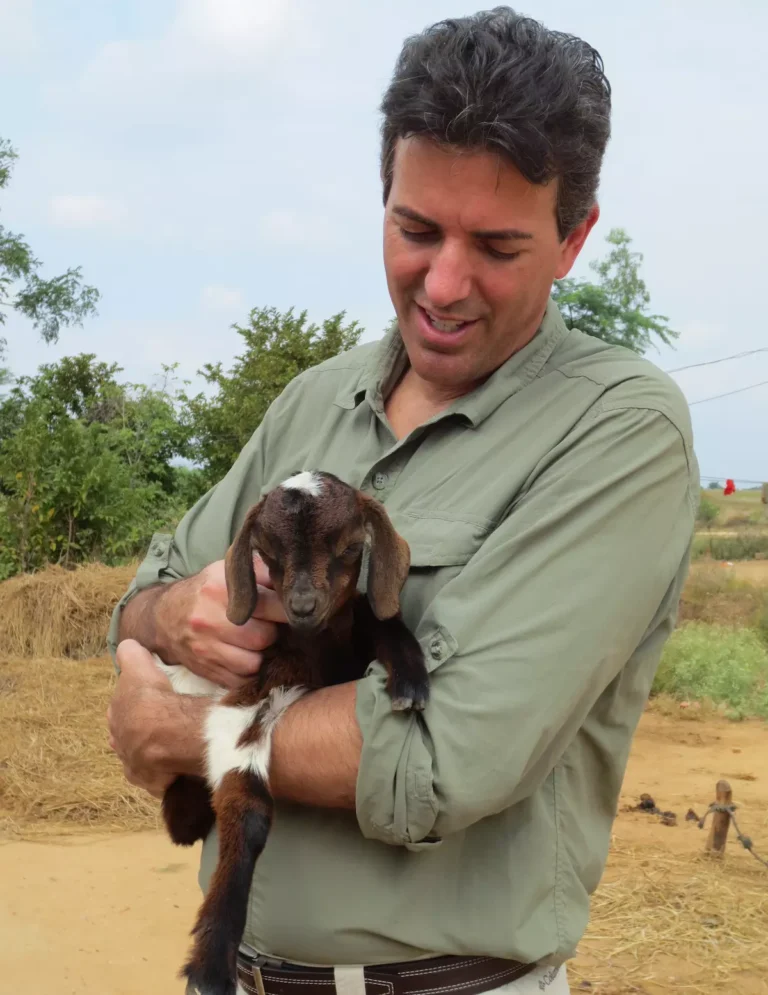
[[573, 243], [242, 590], [389, 563]]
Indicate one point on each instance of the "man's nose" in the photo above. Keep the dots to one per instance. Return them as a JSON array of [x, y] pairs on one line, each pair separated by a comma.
[[449, 280]]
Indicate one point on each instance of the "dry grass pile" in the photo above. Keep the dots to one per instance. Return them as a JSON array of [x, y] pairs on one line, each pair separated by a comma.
[[673, 922], [61, 613], [57, 773]]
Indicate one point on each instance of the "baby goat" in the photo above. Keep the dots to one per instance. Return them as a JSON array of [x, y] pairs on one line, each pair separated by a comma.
[[310, 532]]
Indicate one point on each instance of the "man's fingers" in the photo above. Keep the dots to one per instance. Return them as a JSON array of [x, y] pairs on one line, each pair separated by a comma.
[[256, 635], [269, 607], [262, 573], [237, 663]]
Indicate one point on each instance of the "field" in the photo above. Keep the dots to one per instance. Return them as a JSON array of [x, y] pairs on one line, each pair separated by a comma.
[[96, 899]]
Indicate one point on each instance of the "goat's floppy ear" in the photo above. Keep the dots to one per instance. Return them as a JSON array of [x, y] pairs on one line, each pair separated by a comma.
[[389, 563], [238, 570]]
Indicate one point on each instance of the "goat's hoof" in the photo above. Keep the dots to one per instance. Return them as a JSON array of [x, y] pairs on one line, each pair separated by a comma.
[[409, 697], [197, 986]]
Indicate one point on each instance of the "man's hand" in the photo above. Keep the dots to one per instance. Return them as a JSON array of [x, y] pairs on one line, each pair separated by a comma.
[[186, 623], [155, 732]]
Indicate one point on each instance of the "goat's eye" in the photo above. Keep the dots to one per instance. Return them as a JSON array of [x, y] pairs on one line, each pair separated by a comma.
[[352, 551]]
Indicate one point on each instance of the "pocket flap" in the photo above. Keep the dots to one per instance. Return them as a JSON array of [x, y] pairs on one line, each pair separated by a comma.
[[439, 540]]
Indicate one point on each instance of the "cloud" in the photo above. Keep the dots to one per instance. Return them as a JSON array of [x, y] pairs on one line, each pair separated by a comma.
[[215, 297], [206, 41], [86, 211]]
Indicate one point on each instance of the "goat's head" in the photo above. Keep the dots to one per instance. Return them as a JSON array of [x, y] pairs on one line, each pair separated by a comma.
[[310, 531]]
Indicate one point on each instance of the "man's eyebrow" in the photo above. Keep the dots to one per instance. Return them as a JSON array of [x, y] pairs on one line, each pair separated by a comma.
[[502, 234]]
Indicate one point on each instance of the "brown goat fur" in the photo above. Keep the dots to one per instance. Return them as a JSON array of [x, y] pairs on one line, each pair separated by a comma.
[[310, 532]]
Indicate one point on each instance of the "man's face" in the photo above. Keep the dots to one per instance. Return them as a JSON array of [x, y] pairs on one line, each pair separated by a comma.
[[471, 250]]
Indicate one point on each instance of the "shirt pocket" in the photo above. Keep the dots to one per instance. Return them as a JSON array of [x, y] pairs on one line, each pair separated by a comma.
[[441, 545], [440, 539]]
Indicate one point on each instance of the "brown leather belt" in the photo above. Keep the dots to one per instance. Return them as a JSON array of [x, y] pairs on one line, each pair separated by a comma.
[[435, 976]]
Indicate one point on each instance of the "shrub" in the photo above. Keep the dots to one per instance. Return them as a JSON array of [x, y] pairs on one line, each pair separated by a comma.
[[746, 546], [714, 663], [708, 512]]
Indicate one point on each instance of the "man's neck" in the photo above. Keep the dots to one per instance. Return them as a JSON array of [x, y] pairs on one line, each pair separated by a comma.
[[413, 401]]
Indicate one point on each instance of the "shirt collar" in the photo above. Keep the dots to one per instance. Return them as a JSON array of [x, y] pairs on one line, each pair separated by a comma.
[[389, 359]]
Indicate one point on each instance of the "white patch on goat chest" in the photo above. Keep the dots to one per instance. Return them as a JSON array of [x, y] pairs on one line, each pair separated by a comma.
[[305, 481], [224, 728], [183, 681]]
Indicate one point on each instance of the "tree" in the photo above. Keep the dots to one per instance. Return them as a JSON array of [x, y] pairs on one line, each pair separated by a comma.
[[614, 309], [85, 466], [49, 304], [278, 347]]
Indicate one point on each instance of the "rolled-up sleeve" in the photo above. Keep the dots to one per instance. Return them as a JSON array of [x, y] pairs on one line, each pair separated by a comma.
[[531, 632]]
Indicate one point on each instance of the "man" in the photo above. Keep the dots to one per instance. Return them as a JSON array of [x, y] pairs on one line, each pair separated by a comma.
[[546, 484]]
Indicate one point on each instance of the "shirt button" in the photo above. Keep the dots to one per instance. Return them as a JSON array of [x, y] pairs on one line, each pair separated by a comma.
[[379, 481], [157, 549], [436, 649]]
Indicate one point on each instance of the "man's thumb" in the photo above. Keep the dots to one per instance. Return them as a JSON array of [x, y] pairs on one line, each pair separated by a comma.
[[138, 664]]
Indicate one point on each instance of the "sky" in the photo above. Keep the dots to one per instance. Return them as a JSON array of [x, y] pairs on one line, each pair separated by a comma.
[[202, 157]]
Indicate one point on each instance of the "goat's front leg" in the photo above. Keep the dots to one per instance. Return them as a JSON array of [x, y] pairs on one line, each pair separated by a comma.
[[399, 651], [238, 734]]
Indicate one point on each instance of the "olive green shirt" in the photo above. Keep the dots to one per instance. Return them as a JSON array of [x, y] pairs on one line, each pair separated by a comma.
[[549, 515]]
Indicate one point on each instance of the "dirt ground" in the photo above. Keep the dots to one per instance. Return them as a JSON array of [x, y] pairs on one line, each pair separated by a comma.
[[111, 914]]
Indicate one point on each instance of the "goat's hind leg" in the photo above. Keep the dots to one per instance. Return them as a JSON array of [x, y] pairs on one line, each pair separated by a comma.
[[238, 738], [244, 808]]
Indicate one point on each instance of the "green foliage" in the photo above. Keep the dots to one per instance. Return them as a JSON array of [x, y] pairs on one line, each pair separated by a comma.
[[714, 663], [91, 466], [708, 513], [714, 486], [49, 304], [615, 308], [744, 546], [85, 466], [278, 347]]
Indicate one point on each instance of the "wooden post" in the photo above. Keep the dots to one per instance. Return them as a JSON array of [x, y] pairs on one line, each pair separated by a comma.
[[721, 821], [765, 494]]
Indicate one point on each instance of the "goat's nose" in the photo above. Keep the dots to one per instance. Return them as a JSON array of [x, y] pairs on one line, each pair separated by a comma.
[[303, 604]]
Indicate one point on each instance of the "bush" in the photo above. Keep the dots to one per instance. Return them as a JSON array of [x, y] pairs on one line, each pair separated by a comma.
[[747, 546], [718, 664], [708, 512], [713, 595]]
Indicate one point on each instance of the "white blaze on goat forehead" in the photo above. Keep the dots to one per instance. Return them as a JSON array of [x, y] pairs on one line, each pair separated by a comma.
[[306, 481], [225, 725]]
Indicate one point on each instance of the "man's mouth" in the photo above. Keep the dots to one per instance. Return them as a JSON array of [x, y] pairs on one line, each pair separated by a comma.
[[444, 324]]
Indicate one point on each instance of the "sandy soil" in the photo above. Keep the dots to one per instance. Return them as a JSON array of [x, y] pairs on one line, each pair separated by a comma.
[[110, 915]]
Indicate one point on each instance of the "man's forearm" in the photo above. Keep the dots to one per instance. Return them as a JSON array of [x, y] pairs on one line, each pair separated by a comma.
[[316, 750], [138, 618], [316, 746], [180, 745]]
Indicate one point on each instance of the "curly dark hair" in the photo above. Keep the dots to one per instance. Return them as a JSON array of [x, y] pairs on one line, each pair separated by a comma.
[[499, 81]]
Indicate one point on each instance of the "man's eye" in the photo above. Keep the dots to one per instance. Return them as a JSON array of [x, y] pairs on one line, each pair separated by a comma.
[[417, 236], [495, 254]]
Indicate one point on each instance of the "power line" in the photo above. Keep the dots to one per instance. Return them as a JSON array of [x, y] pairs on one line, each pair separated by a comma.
[[736, 480], [712, 362], [728, 393]]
